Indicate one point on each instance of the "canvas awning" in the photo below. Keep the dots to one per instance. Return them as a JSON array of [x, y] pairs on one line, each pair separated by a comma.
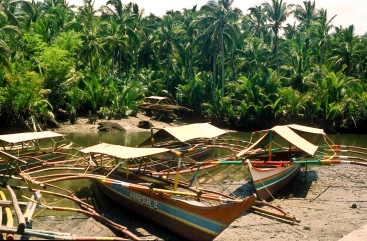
[[307, 129], [288, 134], [125, 152], [157, 97], [193, 131], [257, 144], [28, 136]]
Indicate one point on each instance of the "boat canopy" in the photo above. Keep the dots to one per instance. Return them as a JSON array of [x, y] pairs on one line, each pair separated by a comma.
[[157, 97], [289, 135], [28, 136], [307, 129], [192, 131], [124, 152]]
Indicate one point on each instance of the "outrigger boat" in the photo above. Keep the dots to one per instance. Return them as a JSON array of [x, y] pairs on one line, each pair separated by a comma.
[[272, 168], [161, 104], [194, 214], [34, 148], [196, 141]]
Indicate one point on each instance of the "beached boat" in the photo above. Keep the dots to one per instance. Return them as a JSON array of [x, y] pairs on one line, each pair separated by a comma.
[[271, 169], [196, 141], [161, 104], [34, 148], [194, 214]]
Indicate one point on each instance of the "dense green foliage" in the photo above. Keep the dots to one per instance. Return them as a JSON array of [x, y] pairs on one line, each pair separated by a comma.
[[247, 70]]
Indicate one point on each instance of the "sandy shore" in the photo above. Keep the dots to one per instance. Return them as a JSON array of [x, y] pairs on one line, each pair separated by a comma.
[[330, 203]]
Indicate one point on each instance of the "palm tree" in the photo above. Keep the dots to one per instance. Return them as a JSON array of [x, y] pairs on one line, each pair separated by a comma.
[[88, 24], [254, 58], [222, 21], [277, 13], [8, 34], [188, 33], [257, 19], [344, 50], [125, 17], [115, 41], [307, 15], [29, 12], [167, 42], [137, 30], [297, 59], [146, 51], [320, 34]]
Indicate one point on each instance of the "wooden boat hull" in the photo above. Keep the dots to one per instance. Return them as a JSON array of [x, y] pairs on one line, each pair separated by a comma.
[[192, 222], [269, 180]]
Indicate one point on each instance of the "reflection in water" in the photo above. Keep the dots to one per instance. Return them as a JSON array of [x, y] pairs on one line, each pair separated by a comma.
[[119, 138]]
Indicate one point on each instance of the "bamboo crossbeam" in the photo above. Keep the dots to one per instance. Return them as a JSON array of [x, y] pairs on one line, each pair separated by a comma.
[[9, 203], [28, 213]]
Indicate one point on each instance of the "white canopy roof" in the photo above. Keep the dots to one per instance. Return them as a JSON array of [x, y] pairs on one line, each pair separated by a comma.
[[192, 131], [28, 136], [124, 152], [289, 135], [307, 129]]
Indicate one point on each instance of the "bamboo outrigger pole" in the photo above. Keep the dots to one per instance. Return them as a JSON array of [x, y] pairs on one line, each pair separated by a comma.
[[21, 220]]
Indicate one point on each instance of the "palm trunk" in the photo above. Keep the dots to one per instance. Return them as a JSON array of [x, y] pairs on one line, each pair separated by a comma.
[[214, 71], [119, 64], [90, 62], [190, 63], [222, 49], [276, 53], [321, 57], [168, 70], [113, 61], [233, 69], [136, 64]]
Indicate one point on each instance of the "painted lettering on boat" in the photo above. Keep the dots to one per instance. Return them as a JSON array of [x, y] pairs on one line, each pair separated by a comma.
[[144, 200]]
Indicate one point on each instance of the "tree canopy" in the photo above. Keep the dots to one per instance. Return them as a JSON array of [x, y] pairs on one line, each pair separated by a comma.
[[57, 58]]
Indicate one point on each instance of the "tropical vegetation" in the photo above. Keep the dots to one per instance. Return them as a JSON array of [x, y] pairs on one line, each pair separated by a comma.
[[247, 70]]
